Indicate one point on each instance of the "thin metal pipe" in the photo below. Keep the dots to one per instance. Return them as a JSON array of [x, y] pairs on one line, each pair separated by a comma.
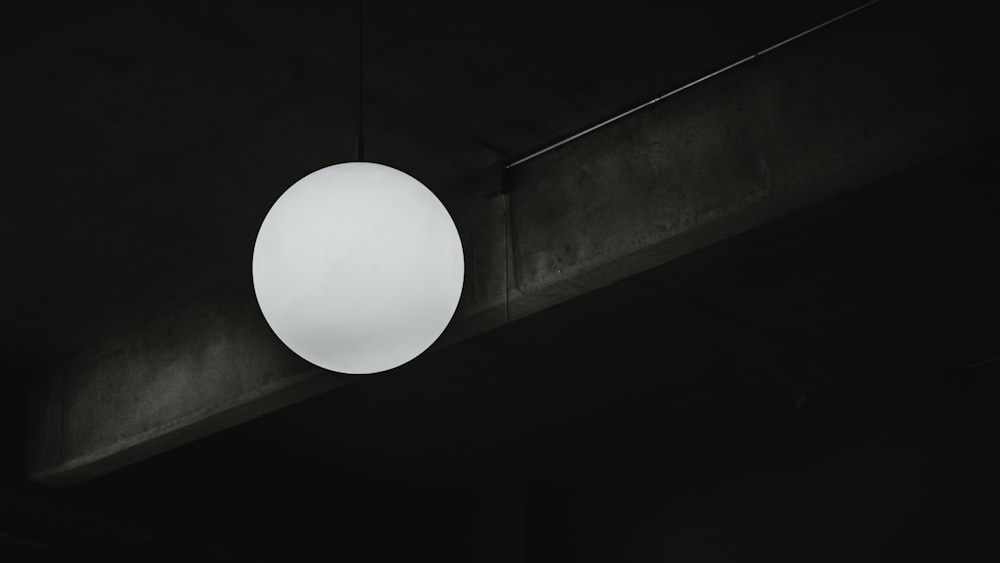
[[662, 97], [982, 363]]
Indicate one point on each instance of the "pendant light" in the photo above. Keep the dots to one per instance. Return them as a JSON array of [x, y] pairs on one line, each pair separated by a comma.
[[358, 267]]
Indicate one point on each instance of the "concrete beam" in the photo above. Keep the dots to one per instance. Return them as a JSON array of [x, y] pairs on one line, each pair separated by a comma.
[[824, 115], [830, 113], [211, 364]]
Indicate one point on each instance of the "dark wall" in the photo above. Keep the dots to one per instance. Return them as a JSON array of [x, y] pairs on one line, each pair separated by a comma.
[[899, 474], [692, 461], [904, 472], [640, 423]]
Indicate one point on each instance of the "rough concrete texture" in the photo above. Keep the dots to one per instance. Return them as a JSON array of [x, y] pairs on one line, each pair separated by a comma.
[[478, 211], [211, 364], [749, 146], [733, 153], [214, 363]]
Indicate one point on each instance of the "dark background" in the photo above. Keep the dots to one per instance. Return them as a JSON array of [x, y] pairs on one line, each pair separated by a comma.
[[820, 389]]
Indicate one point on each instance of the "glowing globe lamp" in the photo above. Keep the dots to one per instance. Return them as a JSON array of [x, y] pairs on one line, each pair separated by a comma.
[[358, 268]]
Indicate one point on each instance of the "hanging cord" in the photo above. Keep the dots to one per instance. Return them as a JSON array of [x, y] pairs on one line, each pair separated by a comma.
[[361, 84]]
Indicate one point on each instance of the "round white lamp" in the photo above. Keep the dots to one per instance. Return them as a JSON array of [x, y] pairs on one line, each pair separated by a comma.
[[358, 268]]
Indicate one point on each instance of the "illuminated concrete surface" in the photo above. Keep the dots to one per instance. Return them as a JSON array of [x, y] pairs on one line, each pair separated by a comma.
[[807, 123]]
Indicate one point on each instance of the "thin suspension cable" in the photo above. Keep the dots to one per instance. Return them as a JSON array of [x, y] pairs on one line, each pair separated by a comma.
[[361, 84], [730, 66]]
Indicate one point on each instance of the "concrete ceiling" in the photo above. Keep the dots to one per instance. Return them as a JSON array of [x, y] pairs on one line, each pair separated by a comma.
[[148, 139]]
